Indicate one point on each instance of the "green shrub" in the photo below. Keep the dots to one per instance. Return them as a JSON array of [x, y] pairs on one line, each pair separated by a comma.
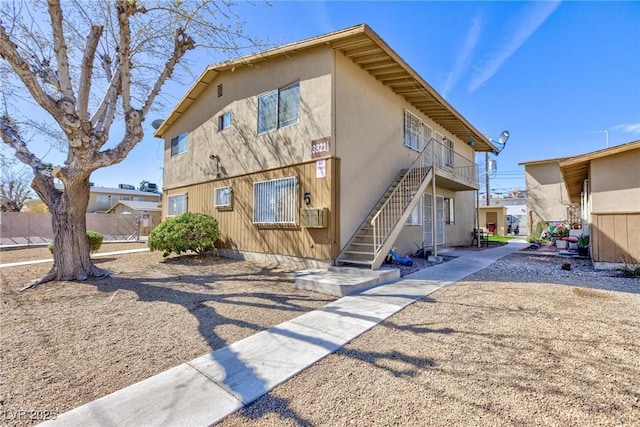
[[95, 241], [194, 232]]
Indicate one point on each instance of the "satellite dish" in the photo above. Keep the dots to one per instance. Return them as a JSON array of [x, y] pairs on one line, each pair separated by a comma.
[[503, 137], [157, 122]]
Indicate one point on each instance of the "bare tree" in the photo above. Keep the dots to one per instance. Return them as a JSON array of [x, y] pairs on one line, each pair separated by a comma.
[[88, 66], [14, 186]]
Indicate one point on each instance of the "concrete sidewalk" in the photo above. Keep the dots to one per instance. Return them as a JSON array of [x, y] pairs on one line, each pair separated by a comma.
[[207, 389], [96, 255]]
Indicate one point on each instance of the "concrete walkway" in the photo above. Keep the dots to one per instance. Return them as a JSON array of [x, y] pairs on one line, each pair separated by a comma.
[[207, 389], [95, 255]]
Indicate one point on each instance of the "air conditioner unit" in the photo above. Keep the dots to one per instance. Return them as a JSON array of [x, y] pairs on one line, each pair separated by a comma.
[[314, 217]]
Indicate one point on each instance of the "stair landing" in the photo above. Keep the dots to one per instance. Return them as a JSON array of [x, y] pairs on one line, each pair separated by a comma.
[[341, 281]]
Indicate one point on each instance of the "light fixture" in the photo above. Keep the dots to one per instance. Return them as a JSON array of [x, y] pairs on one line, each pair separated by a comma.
[[471, 142]]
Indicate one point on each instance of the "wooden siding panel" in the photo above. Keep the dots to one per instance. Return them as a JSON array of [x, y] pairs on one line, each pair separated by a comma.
[[615, 236], [633, 235], [236, 224]]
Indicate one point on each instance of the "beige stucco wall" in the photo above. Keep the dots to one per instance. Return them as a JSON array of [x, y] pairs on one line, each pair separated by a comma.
[[501, 218], [547, 197], [456, 234], [615, 183], [369, 129], [239, 147]]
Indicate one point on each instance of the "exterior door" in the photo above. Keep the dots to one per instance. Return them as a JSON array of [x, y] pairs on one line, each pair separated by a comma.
[[427, 229]]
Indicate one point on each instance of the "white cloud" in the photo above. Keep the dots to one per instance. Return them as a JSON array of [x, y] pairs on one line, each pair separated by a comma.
[[628, 128], [536, 15], [462, 60]]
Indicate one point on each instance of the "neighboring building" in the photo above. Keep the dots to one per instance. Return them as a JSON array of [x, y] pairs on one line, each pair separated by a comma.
[[150, 214], [516, 221], [101, 199], [547, 198], [606, 184], [493, 219], [327, 149]]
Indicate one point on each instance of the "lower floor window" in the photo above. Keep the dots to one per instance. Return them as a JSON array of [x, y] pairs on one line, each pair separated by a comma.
[[449, 205], [275, 201], [416, 214], [176, 205]]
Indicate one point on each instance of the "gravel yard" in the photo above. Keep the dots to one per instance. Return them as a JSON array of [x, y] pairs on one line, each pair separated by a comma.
[[520, 342]]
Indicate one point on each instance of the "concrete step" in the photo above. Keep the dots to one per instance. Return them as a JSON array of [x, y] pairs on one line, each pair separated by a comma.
[[341, 281], [358, 253]]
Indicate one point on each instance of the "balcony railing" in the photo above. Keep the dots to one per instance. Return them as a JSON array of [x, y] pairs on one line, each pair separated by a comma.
[[447, 158]]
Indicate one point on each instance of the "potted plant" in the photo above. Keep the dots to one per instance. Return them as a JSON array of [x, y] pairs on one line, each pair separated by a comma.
[[583, 245], [561, 232]]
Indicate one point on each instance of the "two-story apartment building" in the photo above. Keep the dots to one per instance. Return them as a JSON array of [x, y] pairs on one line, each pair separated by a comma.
[[331, 149]]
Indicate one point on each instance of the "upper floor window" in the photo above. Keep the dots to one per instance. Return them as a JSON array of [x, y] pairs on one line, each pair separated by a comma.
[[179, 144], [448, 152], [103, 200], [224, 121], [412, 131], [279, 108]]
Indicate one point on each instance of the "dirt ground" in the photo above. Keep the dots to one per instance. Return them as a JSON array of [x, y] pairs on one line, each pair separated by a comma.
[[521, 342], [65, 344]]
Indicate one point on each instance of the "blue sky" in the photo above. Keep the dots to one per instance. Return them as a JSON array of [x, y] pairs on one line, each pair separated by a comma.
[[555, 74]]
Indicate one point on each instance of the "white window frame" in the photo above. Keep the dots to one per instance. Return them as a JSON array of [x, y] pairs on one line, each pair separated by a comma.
[[413, 131], [416, 215], [448, 152], [279, 115], [275, 202], [179, 144], [220, 199], [170, 204], [225, 120], [449, 210]]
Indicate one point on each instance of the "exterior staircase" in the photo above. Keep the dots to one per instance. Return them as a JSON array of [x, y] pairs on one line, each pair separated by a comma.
[[376, 235]]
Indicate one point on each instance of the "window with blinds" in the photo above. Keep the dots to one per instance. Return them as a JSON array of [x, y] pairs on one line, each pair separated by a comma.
[[279, 108]]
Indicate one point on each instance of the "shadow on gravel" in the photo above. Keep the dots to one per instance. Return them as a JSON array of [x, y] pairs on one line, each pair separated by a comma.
[[206, 308]]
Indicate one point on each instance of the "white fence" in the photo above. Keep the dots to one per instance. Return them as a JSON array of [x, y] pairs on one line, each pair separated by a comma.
[[28, 228]]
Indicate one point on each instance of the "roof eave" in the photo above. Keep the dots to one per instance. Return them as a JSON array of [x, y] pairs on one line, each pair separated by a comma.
[[336, 40]]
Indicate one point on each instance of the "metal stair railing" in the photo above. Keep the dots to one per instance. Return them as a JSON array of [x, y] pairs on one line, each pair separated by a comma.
[[388, 215]]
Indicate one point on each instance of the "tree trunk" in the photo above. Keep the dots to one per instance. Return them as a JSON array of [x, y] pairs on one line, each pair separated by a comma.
[[71, 246]]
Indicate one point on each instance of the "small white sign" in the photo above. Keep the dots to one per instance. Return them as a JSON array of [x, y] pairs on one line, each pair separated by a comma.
[[321, 168]]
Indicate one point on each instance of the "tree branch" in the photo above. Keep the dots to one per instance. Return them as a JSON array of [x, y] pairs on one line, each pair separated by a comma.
[[9, 52], [42, 181], [181, 44], [60, 49], [110, 96], [125, 9], [87, 70]]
